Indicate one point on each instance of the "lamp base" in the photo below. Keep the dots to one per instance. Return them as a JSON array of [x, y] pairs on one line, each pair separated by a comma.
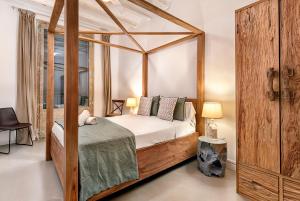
[[212, 133], [212, 129], [131, 111]]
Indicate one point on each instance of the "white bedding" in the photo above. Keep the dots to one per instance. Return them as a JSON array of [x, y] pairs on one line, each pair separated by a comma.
[[148, 131], [152, 130]]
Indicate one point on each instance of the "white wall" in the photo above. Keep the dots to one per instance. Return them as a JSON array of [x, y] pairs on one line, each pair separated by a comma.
[[8, 59], [172, 71]]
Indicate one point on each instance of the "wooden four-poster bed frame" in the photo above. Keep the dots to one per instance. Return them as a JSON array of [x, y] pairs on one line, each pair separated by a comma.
[[151, 160]]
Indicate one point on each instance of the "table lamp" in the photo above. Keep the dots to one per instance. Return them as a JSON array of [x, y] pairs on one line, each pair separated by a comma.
[[131, 103], [211, 111]]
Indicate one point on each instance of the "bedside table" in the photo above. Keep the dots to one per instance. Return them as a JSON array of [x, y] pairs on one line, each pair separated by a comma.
[[117, 109], [212, 156]]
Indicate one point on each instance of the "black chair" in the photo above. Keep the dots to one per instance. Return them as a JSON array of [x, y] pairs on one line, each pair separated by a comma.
[[9, 122]]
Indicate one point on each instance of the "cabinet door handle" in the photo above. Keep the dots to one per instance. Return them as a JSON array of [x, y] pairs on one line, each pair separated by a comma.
[[287, 93], [272, 94]]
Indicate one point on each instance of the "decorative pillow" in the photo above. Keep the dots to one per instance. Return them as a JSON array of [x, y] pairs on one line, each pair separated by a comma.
[[166, 108], [190, 111], [145, 106], [179, 112], [155, 105], [83, 117]]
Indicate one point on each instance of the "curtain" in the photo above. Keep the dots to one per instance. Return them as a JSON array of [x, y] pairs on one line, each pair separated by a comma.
[[107, 75], [26, 73]]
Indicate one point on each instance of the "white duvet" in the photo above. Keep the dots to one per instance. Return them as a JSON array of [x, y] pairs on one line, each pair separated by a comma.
[[148, 131]]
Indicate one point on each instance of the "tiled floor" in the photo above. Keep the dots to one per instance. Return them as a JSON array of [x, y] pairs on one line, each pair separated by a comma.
[[26, 176]]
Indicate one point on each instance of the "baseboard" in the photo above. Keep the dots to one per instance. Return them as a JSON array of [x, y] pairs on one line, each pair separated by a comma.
[[231, 165]]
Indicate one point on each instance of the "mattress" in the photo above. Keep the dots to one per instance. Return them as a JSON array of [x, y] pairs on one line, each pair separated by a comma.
[[148, 131]]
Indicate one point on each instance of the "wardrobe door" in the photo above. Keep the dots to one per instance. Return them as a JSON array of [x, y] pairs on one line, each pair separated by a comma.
[[290, 87], [257, 55]]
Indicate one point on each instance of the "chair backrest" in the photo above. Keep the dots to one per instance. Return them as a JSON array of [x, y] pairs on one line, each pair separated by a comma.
[[8, 117]]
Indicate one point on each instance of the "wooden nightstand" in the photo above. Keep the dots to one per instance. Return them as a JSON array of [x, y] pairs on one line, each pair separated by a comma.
[[212, 156], [117, 107]]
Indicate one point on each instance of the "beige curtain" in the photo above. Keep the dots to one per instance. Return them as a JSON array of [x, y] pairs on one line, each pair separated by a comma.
[[107, 75], [26, 73]]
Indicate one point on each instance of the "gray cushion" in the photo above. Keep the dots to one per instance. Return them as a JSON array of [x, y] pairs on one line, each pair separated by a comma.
[[155, 105], [166, 108], [179, 112]]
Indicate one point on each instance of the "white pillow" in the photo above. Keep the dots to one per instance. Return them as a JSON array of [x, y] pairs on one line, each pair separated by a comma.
[[190, 112], [83, 117]]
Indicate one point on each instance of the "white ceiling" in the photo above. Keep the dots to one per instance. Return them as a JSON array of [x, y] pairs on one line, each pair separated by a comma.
[[92, 16]]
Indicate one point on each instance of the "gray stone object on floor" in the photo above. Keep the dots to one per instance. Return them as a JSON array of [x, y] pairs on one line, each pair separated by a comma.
[[212, 156]]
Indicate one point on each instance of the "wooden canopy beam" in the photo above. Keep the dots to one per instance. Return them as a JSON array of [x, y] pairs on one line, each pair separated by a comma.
[[172, 43], [155, 10], [105, 43], [71, 100], [138, 33], [131, 33], [57, 9], [115, 19], [109, 44]]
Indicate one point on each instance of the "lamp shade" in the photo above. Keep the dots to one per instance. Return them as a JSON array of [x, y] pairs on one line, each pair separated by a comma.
[[131, 102], [212, 110]]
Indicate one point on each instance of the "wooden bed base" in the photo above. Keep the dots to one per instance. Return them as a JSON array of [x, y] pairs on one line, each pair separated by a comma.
[[151, 160]]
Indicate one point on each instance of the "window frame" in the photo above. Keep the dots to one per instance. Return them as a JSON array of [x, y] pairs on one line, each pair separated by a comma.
[[58, 112]]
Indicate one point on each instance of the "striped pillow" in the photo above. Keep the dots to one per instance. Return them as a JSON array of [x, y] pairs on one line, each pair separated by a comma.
[[166, 108], [145, 106]]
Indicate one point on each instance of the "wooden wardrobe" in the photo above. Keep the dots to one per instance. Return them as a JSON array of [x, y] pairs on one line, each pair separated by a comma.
[[268, 100]]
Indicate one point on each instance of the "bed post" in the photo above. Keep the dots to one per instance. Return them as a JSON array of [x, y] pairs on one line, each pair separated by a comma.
[[200, 81], [50, 94], [57, 9], [71, 100], [145, 74]]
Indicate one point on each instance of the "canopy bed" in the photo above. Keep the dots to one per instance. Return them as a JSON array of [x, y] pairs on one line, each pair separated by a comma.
[[63, 146]]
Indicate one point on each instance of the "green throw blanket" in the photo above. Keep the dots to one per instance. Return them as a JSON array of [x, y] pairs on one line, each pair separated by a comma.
[[107, 157]]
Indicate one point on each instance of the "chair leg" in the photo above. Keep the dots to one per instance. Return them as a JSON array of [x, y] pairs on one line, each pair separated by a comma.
[[29, 135], [8, 145]]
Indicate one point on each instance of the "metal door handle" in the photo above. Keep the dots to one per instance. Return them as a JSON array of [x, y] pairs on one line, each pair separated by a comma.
[[272, 94]]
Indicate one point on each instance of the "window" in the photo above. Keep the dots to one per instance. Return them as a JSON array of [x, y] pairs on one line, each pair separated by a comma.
[[83, 77]]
